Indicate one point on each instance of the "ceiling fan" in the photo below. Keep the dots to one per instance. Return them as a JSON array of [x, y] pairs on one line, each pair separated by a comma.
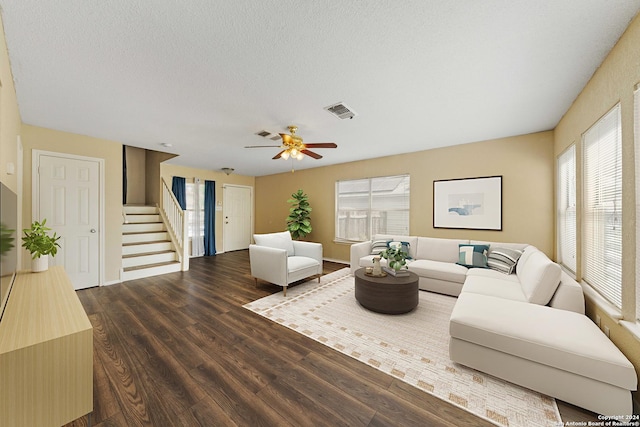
[[293, 147]]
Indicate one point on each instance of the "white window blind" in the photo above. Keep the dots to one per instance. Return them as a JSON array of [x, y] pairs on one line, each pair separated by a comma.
[[602, 207], [566, 203], [636, 120], [369, 206]]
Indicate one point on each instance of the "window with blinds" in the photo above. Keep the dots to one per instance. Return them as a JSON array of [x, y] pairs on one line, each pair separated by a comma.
[[566, 215], [636, 127], [602, 207], [365, 207], [195, 208]]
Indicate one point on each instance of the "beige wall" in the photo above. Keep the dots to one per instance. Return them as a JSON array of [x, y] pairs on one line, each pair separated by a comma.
[[168, 171], [525, 163], [63, 142], [153, 160], [10, 121], [136, 175], [613, 82]]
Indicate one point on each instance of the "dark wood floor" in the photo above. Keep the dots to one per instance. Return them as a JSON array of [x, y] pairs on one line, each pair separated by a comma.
[[179, 350]]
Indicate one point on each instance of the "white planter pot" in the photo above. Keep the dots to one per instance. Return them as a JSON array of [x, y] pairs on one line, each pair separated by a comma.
[[40, 264]]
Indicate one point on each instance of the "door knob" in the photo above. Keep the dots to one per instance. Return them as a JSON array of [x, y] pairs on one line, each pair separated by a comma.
[[93, 230]]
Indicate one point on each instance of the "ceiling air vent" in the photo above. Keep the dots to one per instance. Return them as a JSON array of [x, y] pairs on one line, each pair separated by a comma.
[[267, 134], [341, 111]]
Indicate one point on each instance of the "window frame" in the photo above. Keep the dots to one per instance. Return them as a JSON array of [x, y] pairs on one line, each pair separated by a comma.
[[566, 202], [190, 211], [636, 142], [601, 209], [370, 228]]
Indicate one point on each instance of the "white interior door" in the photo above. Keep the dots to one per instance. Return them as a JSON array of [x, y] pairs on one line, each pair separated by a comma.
[[69, 198], [237, 214]]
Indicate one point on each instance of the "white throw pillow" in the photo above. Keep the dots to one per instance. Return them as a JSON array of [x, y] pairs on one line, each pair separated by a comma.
[[280, 240]]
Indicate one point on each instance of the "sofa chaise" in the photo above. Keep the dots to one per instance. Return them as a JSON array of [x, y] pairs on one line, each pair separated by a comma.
[[527, 327]]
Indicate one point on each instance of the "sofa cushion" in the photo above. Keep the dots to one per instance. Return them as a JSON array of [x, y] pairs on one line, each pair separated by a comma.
[[280, 240], [472, 255], [438, 270], [562, 339], [503, 259], [412, 240], [435, 249], [296, 263], [505, 288], [569, 295], [539, 278], [518, 246], [528, 251], [487, 272], [378, 246]]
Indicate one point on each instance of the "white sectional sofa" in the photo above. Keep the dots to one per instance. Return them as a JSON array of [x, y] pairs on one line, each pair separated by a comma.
[[527, 327]]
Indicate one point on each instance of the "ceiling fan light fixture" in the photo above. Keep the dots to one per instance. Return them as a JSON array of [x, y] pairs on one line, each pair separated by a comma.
[[293, 146]]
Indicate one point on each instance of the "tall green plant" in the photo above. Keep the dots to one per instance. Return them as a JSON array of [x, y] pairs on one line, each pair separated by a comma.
[[299, 220]]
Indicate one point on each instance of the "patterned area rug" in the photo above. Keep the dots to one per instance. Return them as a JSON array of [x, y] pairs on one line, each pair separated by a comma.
[[413, 347]]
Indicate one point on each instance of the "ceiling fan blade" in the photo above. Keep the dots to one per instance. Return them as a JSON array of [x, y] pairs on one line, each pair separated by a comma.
[[277, 156], [261, 146], [311, 154], [321, 145], [286, 139]]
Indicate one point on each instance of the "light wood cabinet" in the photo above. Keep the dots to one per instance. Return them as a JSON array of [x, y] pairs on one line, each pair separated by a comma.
[[46, 353]]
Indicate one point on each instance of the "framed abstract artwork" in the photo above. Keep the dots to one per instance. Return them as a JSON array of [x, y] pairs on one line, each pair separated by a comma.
[[468, 203]]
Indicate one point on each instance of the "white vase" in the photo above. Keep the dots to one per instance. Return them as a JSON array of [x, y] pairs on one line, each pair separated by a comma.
[[377, 269], [40, 264]]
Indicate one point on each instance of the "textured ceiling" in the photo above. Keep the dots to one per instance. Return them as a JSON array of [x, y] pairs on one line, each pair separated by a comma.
[[205, 76]]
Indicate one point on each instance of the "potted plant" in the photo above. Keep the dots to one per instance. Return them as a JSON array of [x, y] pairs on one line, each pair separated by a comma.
[[395, 256], [39, 243], [299, 221]]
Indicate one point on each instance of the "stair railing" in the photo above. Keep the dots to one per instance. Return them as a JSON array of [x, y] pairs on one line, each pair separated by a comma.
[[176, 219]]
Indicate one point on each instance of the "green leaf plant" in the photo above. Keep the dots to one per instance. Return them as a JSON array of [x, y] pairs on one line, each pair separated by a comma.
[[395, 257], [299, 220], [38, 242]]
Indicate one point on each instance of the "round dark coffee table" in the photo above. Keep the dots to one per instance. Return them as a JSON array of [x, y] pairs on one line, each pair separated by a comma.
[[389, 294]]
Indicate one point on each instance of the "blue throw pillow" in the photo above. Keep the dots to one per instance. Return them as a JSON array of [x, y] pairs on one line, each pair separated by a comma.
[[473, 255]]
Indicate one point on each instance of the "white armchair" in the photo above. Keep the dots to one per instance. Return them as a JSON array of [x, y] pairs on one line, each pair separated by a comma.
[[278, 259]]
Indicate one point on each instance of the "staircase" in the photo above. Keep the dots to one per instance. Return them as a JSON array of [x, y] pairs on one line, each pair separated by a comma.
[[147, 249]]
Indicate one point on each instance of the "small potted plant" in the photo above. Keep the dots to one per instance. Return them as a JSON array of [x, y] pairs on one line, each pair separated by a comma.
[[395, 256], [39, 243]]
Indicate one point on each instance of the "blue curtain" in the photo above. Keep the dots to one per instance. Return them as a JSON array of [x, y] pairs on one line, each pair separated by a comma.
[[179, 188], [209, 218]]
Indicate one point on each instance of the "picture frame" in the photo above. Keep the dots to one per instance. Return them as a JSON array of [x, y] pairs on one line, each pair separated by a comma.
[[468, 203]]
